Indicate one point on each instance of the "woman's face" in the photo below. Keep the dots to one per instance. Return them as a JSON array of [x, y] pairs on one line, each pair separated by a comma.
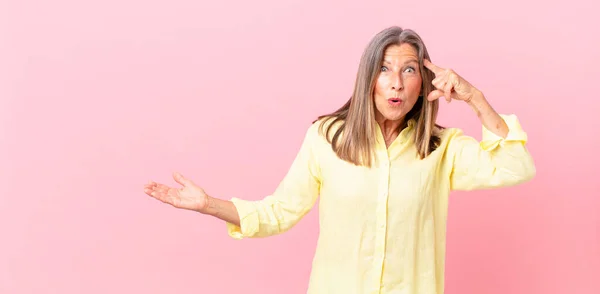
[[398, 85]]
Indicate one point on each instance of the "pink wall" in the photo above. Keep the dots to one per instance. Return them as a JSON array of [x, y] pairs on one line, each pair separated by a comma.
[[97, 98]]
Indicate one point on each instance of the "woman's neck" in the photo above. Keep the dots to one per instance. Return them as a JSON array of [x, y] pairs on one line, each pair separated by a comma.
[[390, 129]]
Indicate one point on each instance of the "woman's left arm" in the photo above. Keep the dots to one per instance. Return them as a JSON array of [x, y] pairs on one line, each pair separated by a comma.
[[501, 158]]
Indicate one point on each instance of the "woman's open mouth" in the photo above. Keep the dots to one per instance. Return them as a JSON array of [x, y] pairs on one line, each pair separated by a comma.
[[395, 101]]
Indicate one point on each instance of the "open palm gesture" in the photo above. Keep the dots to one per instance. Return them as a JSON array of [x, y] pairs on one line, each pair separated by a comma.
[[189, 196]]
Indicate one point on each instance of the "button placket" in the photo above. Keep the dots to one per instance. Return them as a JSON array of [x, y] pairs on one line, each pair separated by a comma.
[[381, 219]]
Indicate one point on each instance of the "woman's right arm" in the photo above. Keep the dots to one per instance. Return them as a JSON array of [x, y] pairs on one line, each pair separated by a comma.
[[275, 214], [295, 195]]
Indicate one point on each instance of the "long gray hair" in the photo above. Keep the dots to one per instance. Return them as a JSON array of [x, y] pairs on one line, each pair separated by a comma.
[[355, 139]]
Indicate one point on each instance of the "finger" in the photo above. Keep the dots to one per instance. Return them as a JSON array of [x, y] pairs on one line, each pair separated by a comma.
[[162, 188], [163, 197], [455, 79], [169, 197], [148, 191], [156, 187], [154, 194], [439, 84], [435, 94], [181, 180], [448, 91], [434, 68]]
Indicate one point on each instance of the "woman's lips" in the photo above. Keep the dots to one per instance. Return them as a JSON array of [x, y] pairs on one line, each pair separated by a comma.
[[395, 101]]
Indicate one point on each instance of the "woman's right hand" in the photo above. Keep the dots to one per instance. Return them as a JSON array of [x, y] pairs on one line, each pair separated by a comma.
[[190, 196]]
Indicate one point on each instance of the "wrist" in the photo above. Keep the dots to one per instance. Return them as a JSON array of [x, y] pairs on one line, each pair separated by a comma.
[[208, 205], [477, 98], [222, 209], [478, 103]]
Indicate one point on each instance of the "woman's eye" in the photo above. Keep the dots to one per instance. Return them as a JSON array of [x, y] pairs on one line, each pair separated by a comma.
[[383, 68], [410, 69]]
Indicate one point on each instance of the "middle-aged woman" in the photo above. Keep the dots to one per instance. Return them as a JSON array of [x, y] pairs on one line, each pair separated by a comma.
[[382, 171]]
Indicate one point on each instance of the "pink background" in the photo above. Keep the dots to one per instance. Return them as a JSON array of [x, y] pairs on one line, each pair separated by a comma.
[[98, 97]]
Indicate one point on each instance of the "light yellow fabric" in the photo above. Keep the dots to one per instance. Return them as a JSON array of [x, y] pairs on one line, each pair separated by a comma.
[[383, 229]]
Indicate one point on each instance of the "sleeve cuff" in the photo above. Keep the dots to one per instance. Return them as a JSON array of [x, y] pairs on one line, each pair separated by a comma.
[[248, 220], [515, 133]]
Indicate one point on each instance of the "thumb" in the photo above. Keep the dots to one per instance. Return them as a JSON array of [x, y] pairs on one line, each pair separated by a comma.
[[181, 180], [435, 94]]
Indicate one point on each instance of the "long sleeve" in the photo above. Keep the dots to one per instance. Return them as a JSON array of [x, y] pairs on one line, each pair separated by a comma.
[[295, 195], [494, 162]]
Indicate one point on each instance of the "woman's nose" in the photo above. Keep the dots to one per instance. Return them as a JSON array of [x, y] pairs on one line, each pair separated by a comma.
[[397, 82]]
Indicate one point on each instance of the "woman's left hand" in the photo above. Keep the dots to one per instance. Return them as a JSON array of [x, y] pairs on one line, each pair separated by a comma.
[[449, 84]]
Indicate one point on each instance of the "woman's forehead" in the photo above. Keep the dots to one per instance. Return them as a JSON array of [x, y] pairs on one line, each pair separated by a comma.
[[403, 51]]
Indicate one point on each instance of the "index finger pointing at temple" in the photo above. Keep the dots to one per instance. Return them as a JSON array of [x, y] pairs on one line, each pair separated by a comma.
[[434, 68]]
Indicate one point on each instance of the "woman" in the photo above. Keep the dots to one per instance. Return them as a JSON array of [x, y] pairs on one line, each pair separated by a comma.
[[383, 170]]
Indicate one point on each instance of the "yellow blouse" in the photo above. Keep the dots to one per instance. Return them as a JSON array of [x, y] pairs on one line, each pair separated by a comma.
[[383, 229]]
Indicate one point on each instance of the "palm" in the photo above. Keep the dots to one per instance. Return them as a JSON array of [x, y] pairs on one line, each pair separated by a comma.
[[189, 196]]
